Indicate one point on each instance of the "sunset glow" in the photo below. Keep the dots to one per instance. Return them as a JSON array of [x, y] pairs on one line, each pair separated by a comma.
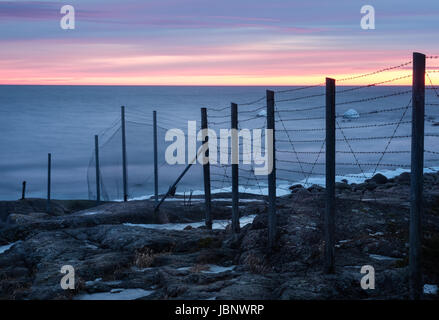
[[236, 43]]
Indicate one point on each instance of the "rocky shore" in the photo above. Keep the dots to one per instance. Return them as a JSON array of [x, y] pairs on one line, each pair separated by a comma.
[[125, 251]]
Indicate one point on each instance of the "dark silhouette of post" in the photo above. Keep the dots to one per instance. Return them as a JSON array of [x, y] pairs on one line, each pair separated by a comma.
[[206, 171], [235, 172], [329, 223], [49, 168], [272, 174], [98, 178], [124, 156], [417, 176], [23, 191], [156, 168]]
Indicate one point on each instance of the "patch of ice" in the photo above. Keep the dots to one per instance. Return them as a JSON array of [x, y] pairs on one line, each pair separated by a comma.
[[116, 294], [430, 289], [383, 258], [92, 213], [218, 224], [218, 269], [183, 268], [6, 247], [213, 268], [93, 282], [376, 234]]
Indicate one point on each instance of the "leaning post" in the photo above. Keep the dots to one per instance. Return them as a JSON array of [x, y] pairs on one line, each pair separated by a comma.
[[272, 174], [235, 172], [206, 169], [124, 156], [417, 176], [329, 222]]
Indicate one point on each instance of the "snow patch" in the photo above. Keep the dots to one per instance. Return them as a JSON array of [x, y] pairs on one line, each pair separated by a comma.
[[382, 258], [218, 224], [92, 213], [218, 269], [430, 289], [6, 247], [212, 268], [116, 294], [351, 114]]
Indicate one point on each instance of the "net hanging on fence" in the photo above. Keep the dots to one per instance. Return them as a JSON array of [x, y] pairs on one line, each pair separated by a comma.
[[140, 163]]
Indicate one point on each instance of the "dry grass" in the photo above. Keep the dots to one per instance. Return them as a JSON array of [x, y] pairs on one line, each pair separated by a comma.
[[256, 264], [144, 258]]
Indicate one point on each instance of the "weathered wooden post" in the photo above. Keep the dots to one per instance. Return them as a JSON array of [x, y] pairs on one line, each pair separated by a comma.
[[156, 170], [235, 172], [98, 177], [272, 174], [49, 168], [329, 223], [206, 170], [23, 191], [417, 176], [124, 156]]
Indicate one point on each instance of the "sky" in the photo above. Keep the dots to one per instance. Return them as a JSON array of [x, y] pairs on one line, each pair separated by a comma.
[[205, 42]]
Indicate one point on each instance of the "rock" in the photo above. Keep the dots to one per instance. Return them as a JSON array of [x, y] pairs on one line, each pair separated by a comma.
[[110, 256], [351, 114], [378, 179], [403, 178], [370, 186], [295, 187], [315, 188], [342, 186], [301, 194]]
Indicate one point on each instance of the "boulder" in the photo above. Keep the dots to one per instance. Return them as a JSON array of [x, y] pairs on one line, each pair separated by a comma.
[[378, 179], [295, 187], [403, 178], [342, 186]]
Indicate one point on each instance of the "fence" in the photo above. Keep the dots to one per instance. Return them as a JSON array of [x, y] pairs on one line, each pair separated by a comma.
[[323, 134]]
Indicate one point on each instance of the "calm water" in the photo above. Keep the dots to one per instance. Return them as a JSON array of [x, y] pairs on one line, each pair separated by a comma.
[[63, 120]]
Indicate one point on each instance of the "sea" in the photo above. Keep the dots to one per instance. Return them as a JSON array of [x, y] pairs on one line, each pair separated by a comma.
[[373, 135]]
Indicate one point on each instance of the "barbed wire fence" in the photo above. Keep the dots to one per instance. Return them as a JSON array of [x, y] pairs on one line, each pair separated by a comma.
[[373, 135]]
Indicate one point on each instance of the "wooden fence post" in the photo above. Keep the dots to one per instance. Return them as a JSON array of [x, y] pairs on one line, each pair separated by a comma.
[[156, 169], [23, 191], [206, 171], [272, 174], [124, 156], [417, 176], [98, 177], [235, 172], [329, 224], [49, 178]]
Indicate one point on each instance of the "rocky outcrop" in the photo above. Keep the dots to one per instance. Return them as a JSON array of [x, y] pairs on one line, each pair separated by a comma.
[[112, 255]]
